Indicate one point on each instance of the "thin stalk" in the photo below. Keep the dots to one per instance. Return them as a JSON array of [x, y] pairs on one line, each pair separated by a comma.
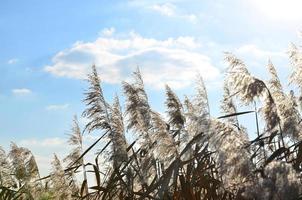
[[282, 140], [257, 126], [84, 171], [256, 117]]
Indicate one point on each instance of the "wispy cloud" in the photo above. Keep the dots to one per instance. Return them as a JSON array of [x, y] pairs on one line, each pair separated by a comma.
[[108, 31], [57, 107], [44, 148], [42, 143], [177, 60], [12, 61], [256, 52], [21, 91], [164, 9], [170, 10], [256, 57]]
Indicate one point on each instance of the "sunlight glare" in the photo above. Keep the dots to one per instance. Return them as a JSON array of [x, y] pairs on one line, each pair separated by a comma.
[[283, 10]]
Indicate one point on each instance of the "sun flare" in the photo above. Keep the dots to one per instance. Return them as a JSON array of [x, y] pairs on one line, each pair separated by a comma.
[[284, 10]]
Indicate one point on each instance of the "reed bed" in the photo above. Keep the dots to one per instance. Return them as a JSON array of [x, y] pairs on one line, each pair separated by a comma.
[[187, 155]]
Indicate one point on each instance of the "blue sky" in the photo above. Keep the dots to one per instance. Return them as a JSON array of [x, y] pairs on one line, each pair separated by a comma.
[[47, 48]]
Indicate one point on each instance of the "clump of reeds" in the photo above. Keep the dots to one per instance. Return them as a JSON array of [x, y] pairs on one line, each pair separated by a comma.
[[189, 155]]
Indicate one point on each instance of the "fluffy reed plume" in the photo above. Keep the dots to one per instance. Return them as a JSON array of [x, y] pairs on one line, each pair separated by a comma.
[[5, 170], [59, 182], [293, 99], [278, 181], [270, 114], [97, 110], [23, 163], [200, 100], [177, 120], [119, 143], [274, 82], [191, 117], [197, 110], [269, 109], [102, 116], [242, 83], [76, 141], [164, 142], [137, 106], [288, 115], [197, 114], [174, 109], [138, 109], [232, 156], [25, 170], [228, 107], [295, 57], [138, 114]]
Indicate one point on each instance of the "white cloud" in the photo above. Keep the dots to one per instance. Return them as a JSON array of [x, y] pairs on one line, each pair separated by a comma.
[[170, 10], [57, 107], [55, 142], [47, 142], [44, 149], [256, 58], [256, 52], [174, 61], [89, 138], [12, 61], [108, 31], [164, 9], [21, 91]]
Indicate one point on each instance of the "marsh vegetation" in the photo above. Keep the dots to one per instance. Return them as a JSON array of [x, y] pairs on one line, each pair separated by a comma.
[[187, 155]]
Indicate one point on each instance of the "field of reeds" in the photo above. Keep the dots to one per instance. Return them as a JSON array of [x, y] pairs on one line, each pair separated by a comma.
[[186, 155]]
